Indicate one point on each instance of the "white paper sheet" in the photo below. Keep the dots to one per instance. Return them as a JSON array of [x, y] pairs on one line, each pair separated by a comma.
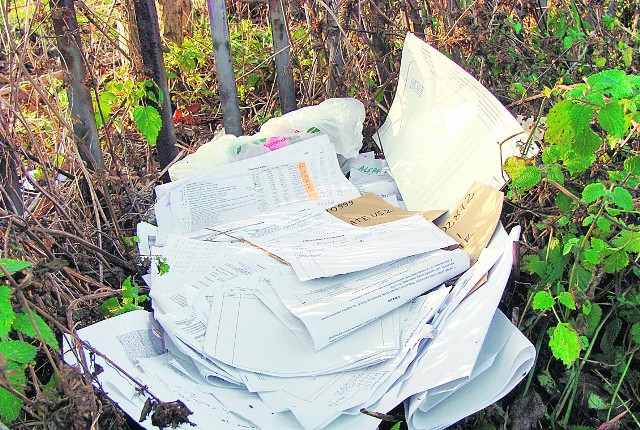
[[306, 171], [319, 245], [443, 131], [331, 308]]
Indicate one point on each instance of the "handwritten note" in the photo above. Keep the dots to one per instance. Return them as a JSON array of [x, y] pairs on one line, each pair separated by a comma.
[[474, 220]]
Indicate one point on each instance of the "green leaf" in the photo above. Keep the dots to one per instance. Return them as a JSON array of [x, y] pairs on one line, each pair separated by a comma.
[[594, 253], [569, 244], [593, 192], [611, 119], [621, 198], [632, 165], [566, 298], [396, 426], [529, 177], [149, 122], [565, 344], [10, 406], [563, 202], [111, 306], [611, 82], [13, 266], [604, 225], [554, 172], [597, 402], [7, 316], [616, 261], [635, 332], [542, 300], [628, 240], [18, 351], [23, 325]]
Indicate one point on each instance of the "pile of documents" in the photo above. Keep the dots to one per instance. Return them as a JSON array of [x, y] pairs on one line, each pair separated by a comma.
[[296, 298]]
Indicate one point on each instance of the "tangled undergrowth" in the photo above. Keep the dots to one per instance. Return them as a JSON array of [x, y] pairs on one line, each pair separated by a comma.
[[68, 248]]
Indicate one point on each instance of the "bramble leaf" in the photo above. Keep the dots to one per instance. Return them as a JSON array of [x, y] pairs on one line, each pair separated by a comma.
[[542, 300], [149, 122], [10, 406], [7, 316], [565, 344], [23, 325], [593, 192]]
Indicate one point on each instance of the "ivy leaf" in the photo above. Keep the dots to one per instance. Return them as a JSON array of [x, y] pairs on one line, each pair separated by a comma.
[[611, 119], [149, 122], [529, 177], [7, 316], [13, 266], [612, 82], [566, 298], [18, 351], [542, 300], [23, 325], [593, 192], [565, 344], [621, 198]]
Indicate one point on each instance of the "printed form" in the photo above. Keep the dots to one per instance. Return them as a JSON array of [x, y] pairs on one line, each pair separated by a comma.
[[444, 131], [306, 171]]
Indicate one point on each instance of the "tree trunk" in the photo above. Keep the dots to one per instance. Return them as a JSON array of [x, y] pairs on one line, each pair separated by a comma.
[[153, 61], [175, 19], [65, 26], [282, 51], [335, 86], [224, 67]]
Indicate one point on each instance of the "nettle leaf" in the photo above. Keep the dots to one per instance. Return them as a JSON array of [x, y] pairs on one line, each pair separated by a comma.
[[565, 344], [611, 82], [593, 192], [514, 166], [23, 325], [554, 172], [528, 178], [628, 240], [111, 306], [632, 165], [566, 298], [569, 244], [18, 351], [10, 406], [7, 316], [611, 119], [616, 261], [576, 163], [635, 332], [149, 122], [542, 300], [13, 266], [597, 402], [621, 198], [593, 319], [604, 225], [594, 254]]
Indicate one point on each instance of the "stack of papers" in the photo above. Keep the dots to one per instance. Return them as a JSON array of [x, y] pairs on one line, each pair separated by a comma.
[[293, 302]]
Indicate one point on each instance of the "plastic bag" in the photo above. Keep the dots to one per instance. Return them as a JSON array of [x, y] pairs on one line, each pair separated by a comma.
[[340, 119]]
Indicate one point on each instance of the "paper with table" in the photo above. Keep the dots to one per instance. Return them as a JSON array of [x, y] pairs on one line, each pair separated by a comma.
[[292, 301]]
